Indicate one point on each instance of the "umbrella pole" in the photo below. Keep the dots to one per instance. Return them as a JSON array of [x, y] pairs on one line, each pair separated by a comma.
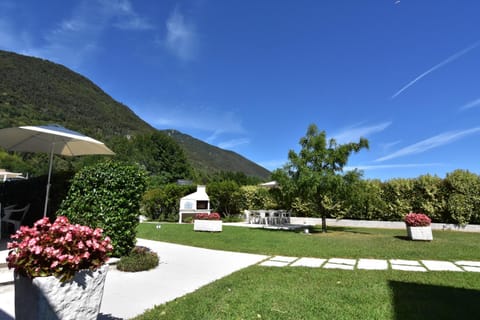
[[48, 182]]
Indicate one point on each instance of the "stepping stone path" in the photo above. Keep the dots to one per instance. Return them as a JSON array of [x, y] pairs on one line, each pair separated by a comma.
[[373, 264]]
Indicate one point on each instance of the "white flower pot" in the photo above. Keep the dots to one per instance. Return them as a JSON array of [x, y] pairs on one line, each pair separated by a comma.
[[207, 225], [420, 233], [47, 298]]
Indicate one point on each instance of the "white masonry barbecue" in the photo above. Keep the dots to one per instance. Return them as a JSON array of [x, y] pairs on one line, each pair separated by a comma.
[[194, 203]]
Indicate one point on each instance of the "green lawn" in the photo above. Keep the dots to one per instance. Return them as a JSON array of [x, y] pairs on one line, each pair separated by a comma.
[[314, 293], [338, 242]]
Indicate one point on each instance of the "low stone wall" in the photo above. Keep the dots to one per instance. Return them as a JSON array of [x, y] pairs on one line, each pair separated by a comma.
[[380, 224]]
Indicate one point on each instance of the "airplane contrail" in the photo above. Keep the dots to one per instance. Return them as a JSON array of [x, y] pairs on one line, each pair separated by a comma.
[[441, 64]]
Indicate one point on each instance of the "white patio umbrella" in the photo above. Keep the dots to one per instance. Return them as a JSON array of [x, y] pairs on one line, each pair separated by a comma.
[[52, 139]]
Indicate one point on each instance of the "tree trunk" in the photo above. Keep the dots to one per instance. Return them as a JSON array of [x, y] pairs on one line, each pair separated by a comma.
[[324, 223]]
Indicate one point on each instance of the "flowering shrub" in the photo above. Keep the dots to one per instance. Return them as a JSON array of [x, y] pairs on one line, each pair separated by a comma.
[[59, 249], [207, 216], [417, 220]]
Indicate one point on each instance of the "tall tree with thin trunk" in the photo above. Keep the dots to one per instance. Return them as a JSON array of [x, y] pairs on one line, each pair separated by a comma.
[[316, 170]]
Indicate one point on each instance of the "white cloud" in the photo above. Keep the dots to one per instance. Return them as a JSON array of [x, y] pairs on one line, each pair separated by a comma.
[[471, 104], [76, 37], [125, 16], [389, 145], [354, 133], [435, 67], [430, 143], [209, 120], [233, 143], [181, 38]]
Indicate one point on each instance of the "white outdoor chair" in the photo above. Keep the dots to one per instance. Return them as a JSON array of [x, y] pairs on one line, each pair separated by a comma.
[[15, 216]]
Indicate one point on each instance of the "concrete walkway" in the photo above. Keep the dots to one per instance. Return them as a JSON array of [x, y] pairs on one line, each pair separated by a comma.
[[182, 270]]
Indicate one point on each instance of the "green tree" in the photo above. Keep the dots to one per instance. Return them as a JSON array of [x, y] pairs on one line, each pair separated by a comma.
[[255, 198], [158, 154], [225, 197], [163, 203], [316, 170]]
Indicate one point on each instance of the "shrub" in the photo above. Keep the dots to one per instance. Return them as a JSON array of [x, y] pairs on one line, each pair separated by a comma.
[[59, 249], [225, 197], [140, 259], [107, 195], [234, 218], [163, 203], [463, 201], [417, 220], [255, 198]]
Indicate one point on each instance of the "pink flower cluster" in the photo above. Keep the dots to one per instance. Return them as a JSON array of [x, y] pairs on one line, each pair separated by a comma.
[[207, 216], [59, 249], [417, 220]]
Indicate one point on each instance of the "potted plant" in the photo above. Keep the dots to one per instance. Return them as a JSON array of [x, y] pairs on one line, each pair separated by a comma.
[[59, 270], [207, 222], [418, 226]]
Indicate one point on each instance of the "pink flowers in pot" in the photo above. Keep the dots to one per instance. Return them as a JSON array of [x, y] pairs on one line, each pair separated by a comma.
[[417, 220], [59, 249], [207, 216]]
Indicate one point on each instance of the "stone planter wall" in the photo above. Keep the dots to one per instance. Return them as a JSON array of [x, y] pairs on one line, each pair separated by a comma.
[[47, 298], [420, 233], [207, 225]]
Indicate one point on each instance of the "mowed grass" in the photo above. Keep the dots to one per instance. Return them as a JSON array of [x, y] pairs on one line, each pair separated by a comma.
[[337, 242], [314, 293]]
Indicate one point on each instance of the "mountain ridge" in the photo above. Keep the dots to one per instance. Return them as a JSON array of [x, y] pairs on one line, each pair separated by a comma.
[[36, 91]]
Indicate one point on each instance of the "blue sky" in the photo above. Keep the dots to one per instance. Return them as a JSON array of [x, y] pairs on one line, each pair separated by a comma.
[[250, 76]]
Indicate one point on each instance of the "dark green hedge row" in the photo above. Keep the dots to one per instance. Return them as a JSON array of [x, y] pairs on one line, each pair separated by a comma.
[[454, 199]]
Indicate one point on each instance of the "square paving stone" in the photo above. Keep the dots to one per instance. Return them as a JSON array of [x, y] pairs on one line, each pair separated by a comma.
[[350, 262], [372, 264], [309, 262], [405, 262], [408, 268], [329, 265], [434, 265], [284, 259], [468, 263], [272, 263], [471, 269]]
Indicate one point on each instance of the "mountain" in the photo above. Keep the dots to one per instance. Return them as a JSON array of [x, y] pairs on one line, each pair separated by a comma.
[[211, 158], [34, 91]]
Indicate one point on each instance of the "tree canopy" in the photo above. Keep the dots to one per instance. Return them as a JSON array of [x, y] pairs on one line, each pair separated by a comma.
[[316, 171]]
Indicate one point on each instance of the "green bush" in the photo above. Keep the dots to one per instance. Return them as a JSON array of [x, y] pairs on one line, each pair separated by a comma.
[[429, 197], [224, 197], [463, 202], [398, 197], [107, 196], [140, 259], [234, 218], [255, 198], [163, 203]]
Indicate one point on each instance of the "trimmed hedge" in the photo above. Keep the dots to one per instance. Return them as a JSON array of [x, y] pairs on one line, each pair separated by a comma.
[[107, 195]]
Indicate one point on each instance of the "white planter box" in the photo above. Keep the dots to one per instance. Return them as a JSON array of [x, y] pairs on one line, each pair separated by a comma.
[[207, 225], [420, 233], [48, 298]]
